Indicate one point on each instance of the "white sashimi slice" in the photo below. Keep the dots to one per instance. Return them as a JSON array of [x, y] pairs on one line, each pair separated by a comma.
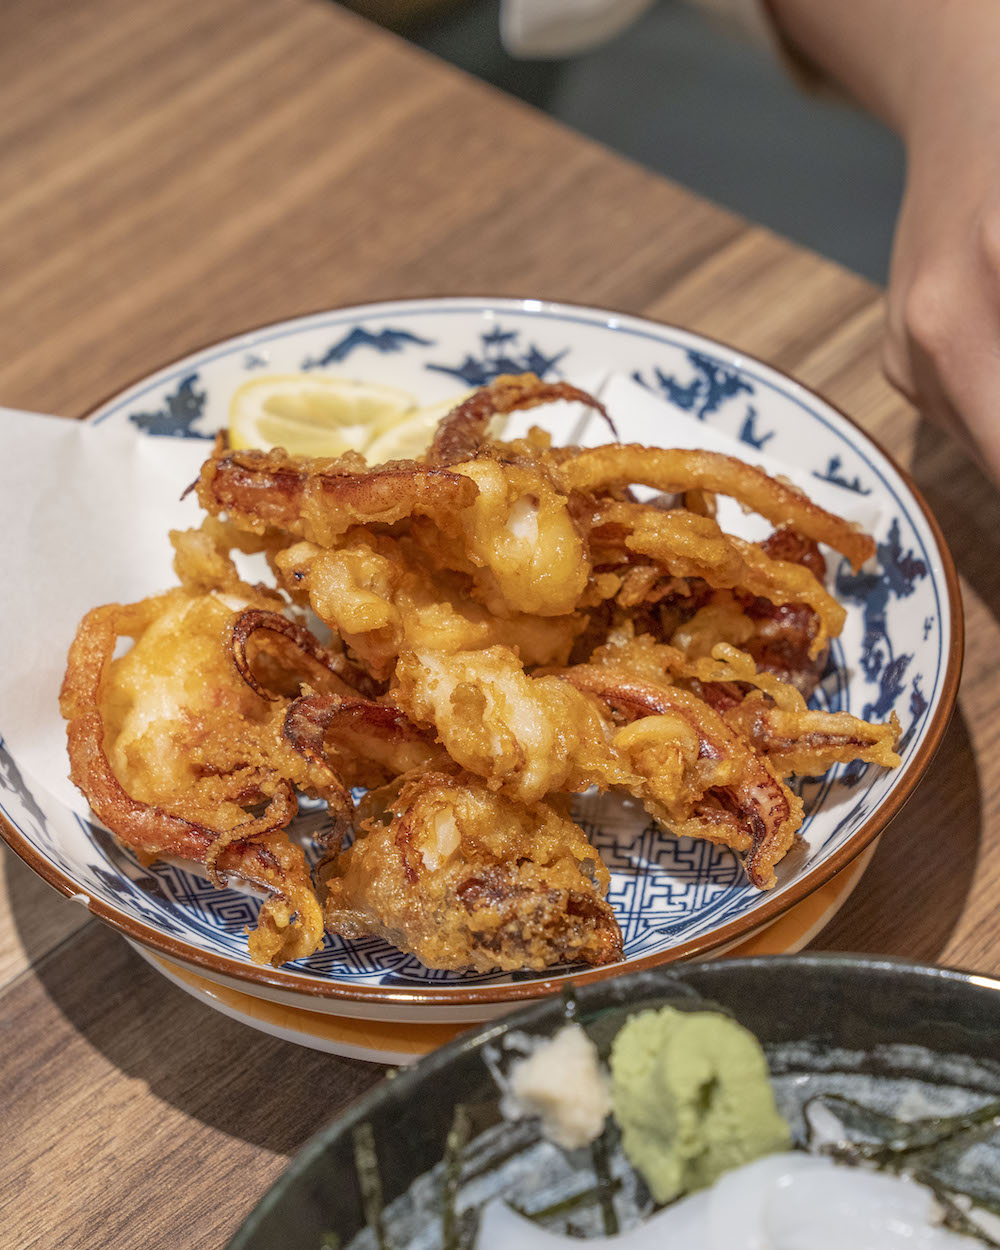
[[782, 1202], [739, 1202], [863, 1210], [682, 1226]]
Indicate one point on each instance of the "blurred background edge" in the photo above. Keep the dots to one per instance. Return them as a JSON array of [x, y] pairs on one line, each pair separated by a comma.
[[703, 108]]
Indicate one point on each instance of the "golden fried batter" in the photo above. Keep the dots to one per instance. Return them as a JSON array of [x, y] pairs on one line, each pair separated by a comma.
[[527, 736], [466, 879], [692, 771], [690, 546], [384, 597], [495, 626], [174, 750], [318, 499]]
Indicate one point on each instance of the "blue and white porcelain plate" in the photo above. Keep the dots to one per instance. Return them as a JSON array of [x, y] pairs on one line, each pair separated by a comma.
[[675, 898]]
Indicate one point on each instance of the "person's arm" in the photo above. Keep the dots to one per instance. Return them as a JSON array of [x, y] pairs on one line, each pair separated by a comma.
[[931, 70]]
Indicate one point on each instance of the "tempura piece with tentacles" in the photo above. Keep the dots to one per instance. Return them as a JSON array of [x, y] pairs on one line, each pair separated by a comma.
[[466, 879], [711, 739], [600, 469], [499, 624], [177, 753], [319, 499], [692, 771], [768, 712], [783, 639], [355, 742], [687, 546], [385, 597], [462, 434], [457, 669]]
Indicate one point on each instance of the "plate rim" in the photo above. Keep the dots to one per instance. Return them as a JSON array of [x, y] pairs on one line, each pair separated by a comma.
[[268, 1015], [311, 986]]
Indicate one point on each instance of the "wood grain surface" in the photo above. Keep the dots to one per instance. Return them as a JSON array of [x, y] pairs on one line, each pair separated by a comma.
[[175, 173]]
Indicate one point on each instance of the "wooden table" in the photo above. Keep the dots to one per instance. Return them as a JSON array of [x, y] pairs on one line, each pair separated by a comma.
[[175, 173]]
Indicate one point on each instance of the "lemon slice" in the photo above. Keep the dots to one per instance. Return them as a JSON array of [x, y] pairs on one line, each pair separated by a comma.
[[311, 414]]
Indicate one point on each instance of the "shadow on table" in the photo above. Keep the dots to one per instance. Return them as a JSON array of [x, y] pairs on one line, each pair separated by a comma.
[[913, 894], [253, 1087], [52, 918]]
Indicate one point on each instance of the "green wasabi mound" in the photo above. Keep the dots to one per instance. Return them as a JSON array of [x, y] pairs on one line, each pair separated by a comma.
[[692, 1096]]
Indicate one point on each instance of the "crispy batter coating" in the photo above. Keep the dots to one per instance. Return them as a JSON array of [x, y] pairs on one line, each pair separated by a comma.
[[466, 879], [677, 471], [173, 750], [356, 742], [526, 736], [693, 772], [691, 546], [807, 742], [519, 541], [318, 499], [769, 712], [496, 626], [385, 598]]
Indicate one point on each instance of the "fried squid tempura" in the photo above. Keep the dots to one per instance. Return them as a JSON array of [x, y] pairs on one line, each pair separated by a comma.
[[464, 878], [174, 750], [499, 625]]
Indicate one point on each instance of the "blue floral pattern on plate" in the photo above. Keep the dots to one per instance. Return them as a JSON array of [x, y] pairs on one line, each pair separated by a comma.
[[892, 657]]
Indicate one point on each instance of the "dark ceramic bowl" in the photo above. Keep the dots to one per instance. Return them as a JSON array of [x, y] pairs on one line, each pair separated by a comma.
[[877, 1030]]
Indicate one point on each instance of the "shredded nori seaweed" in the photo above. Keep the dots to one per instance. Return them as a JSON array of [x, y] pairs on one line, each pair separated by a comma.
[[454, 1149], [955, 1217], [370, 1182], [582, 1198], [919, 1148], [883, 1139], [605, 1189]]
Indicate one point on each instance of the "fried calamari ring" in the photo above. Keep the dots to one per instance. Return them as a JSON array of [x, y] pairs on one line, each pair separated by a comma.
[[676, 471], [290, 924]]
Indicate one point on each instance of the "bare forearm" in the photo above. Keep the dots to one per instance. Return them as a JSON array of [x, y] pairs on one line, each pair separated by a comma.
[[931, 69], [893, 55]]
